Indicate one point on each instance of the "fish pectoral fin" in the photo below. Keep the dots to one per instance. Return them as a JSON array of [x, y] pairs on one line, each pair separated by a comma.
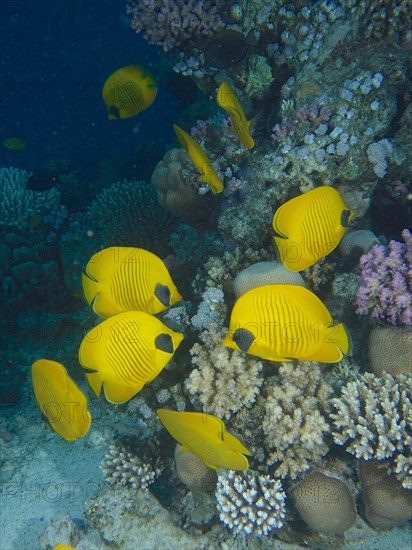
[[95, 382]]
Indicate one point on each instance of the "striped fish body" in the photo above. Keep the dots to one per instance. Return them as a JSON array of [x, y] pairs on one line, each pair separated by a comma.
[[60, 400], [120, 279], [125, 352], [128, 91], [310, 227], [285, 322], [206, 437]]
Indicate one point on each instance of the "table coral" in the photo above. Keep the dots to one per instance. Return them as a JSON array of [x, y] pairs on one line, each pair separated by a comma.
[[295, 423]]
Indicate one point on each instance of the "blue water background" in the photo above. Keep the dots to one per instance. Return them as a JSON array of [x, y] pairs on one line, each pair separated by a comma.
[[56, 56]]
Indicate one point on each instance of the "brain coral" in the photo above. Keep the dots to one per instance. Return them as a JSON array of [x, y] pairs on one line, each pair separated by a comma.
[[193, 472], [390, 350], [387, 503], [264, 273], [324, 503]]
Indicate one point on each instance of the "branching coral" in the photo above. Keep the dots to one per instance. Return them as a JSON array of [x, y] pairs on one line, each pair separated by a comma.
[[249, 502], [121, 467], [373, 419], [294, 424], [224, 380]]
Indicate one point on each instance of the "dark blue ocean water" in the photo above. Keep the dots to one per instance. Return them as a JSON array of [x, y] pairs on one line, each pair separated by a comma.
[[55, 57]]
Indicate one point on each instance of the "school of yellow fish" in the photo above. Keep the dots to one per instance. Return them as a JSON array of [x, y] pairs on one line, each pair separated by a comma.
[[128, 286]]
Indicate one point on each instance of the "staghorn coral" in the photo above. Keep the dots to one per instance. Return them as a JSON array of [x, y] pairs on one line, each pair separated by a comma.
[[373, 419], [325, 503], [173, 23], [249, 502], [224, 380], [120, 466], [294, 424], [128, 214], [385, 282]]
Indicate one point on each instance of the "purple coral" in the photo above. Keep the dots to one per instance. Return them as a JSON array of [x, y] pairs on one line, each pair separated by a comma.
[[385, 290], [171, 23], [312, 114]]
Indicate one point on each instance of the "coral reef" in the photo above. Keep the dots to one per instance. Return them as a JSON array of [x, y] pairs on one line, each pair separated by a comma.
[[357, 240], [295, 423], [324, 503], [172, 23], [249, 502], [122, 467], [373, 419], [224, 380], [385, 282]]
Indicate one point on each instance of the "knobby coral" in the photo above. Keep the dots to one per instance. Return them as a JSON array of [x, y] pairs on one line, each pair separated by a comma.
[[373, 419], [223, 380], [295, 425], [249, 502], [172, 23], [385, 282], [122, 467]]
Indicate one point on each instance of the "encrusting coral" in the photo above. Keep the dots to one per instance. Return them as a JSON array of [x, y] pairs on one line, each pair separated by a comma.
[[249, 502], [325, 503], [122, 467], [223, 380], [390, 350], [373, 419], [295, 425], [193, 472]]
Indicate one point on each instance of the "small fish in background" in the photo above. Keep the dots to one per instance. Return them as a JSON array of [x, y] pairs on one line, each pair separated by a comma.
[[14, 144], [129, 91], [121, 278], [310, 226], [227, 100], [41, 181], [126, 352], [228, 47], [61, 401], [200, 160], [283, 322], [63, 547], [205, 436]]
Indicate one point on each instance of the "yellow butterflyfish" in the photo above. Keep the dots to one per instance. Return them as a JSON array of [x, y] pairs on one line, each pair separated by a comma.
[[126, 278], [227, 99], [310, 226], [128, 91], [125, 352], [60, 400], [285, 322], [200, 160], [206, 437]]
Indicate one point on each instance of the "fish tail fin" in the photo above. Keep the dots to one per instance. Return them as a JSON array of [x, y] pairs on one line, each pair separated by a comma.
[[95, 382], [344, 339], [90, 288]]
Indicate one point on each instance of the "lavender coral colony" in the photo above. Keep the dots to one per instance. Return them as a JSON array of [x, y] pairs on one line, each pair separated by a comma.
[[310, 137]]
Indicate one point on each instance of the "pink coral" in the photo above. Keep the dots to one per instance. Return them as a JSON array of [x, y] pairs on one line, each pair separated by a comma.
[[385, 289], [172, 23]]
